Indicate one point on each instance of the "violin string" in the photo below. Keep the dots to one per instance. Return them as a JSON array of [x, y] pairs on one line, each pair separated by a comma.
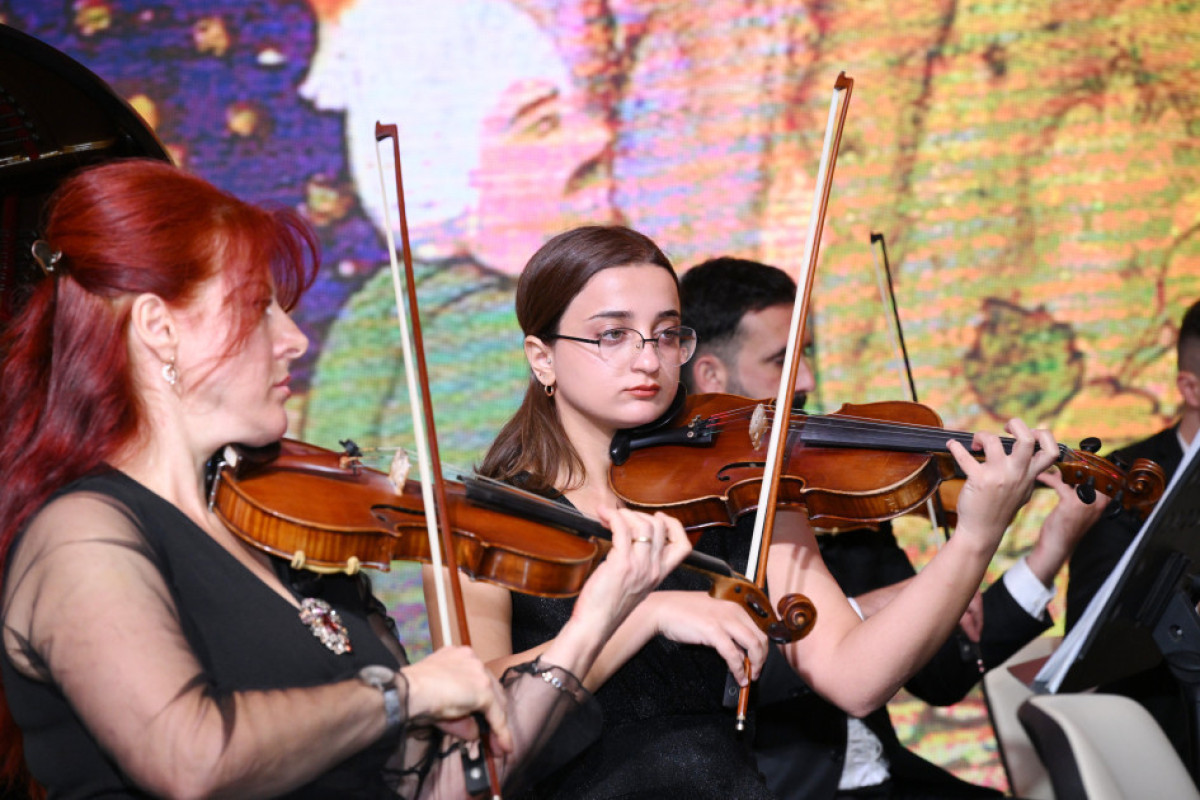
[[450, 470], [851, 424], [549, 512], [898, 436], [926, 437]]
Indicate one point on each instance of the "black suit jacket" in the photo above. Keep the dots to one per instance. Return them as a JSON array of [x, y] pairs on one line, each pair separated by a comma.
[[800, 739], [1104, 544], [1090, 565]]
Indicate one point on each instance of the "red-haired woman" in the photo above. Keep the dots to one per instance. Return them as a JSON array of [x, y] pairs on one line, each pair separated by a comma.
[[147, 650], [599, 307]]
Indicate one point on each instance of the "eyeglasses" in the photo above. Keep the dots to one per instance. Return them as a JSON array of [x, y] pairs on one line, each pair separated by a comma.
[[675, 345]]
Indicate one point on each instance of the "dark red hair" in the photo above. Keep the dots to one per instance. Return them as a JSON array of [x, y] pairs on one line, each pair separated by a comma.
[[68, 402]]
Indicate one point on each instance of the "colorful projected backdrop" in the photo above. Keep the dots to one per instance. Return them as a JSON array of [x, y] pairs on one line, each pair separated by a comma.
[[1032, 166]]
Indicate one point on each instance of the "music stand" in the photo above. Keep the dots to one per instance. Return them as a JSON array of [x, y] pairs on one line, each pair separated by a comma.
[[1145, 611]]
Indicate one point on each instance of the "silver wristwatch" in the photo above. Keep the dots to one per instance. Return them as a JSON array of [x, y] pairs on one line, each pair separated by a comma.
[[384, 679]]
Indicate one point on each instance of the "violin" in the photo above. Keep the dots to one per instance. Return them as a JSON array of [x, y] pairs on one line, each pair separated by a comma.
[[325, 512], [867, 463]]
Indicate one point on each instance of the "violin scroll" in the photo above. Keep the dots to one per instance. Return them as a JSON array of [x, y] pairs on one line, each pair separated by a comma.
[[1135, 489], [1146, 483], [797, 614]]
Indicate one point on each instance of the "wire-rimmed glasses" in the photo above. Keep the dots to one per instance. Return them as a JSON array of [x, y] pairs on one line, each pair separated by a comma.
[[675, 345]]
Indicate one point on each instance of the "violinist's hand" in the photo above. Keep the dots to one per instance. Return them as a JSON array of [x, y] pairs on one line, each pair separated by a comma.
[[450, 685], [971, 623], [697, 618], [645, 547], [999, 485], [1063, 527]]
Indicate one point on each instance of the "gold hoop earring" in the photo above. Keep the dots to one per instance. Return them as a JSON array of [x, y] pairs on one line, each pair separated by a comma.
[[549, 389]]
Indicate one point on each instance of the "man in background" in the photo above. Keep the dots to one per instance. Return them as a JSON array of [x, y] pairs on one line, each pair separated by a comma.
[[807, 747], [1106, 542]]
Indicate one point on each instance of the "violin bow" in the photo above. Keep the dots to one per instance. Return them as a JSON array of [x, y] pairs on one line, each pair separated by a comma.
[[933, 505], [887, 296], [433, 486], [764, 521]]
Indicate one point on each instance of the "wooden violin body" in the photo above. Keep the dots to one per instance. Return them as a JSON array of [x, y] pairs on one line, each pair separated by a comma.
[[311, 506], [862, 464], [326, 513]]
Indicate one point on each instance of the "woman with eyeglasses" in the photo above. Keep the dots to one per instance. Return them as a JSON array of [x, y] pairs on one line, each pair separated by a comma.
[[599, 307]]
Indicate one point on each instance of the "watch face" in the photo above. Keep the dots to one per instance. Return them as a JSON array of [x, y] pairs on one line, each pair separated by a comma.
[[378, 676]]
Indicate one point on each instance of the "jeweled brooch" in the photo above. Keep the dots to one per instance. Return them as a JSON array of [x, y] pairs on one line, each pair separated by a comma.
[[325, 624]]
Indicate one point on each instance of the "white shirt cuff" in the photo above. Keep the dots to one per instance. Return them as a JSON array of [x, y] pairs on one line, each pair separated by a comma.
[[1027, 590]]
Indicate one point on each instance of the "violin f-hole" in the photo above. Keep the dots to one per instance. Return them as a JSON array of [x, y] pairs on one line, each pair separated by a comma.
[[737, 465]]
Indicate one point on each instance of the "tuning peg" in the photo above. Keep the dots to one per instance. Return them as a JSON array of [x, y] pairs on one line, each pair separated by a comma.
[[1090, 445], [1114, 506], [1087, 491]]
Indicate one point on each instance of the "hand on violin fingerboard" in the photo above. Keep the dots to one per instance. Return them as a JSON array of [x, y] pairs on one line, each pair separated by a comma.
[[645, 548], [999, 485]]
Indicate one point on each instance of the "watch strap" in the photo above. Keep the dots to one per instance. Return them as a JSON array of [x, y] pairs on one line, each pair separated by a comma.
[[392, 707]]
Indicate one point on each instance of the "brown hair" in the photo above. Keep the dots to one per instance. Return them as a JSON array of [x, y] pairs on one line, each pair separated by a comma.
[[532, 446]]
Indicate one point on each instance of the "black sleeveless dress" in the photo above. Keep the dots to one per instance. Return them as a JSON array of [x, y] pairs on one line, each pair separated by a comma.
[[667, 732], [245, 636]]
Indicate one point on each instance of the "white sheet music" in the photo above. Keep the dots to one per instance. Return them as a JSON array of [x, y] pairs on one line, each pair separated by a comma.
[[1051, 676]]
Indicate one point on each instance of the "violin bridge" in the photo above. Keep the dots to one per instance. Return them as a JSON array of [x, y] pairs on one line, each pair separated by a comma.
[[399, 469], [758, 426]]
